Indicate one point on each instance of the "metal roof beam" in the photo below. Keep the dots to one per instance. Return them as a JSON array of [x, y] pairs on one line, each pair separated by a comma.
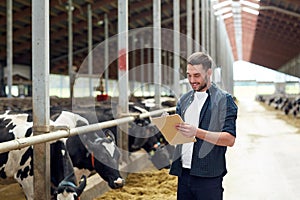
[[287, 12]]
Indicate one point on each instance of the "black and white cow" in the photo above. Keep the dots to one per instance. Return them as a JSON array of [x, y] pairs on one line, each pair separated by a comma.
[[18, 164], [142, 135], [278, 102], [293, 107], [93, 151]]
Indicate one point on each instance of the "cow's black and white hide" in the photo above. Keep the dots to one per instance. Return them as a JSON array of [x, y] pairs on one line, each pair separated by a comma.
[[260, 98], [18, 164], [277, 102], [141, 134], [67, 188], [92, 151], [144, 135], [292, 107], [63, 179], [288, 107], [156, 145], [295, 108]]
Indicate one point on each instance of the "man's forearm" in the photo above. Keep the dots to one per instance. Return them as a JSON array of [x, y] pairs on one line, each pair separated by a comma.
[[217, 138]]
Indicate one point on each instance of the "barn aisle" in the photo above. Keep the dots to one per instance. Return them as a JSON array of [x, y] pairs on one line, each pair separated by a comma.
[[265, 161]]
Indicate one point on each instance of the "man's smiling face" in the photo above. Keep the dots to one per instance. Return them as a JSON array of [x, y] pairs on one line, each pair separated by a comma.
[[198, 77]]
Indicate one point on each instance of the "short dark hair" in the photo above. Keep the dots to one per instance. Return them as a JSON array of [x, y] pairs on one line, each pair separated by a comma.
[[200, 58]]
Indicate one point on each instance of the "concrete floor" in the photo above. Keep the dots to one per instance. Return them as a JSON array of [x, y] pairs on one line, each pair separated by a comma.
[[264, 163]]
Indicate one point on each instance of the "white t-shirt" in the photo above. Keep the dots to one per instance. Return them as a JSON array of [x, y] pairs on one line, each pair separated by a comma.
[[191, 116]]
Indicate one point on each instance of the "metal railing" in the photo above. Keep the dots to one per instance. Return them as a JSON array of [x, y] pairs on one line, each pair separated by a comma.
[[47, 137]]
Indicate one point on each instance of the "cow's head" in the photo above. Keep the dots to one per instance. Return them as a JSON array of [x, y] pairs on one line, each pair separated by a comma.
[[103, 152], [139, 131], [106, 159], [61, 163], [67, 190]]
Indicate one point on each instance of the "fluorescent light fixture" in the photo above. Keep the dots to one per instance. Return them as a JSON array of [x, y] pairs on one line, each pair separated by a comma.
[[222, 4], [100, 22], [250, 4], [251, 11], [223, 10], [227, 15], [67, 7]]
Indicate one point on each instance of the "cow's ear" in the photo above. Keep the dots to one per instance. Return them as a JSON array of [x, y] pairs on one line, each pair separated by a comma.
[[80, 123], [109, 134]]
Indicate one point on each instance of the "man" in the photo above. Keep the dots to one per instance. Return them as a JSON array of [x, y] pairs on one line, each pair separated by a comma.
[[209, 115]]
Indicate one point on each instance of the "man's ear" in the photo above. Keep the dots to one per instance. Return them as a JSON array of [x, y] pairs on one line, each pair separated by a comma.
[[209, 72]]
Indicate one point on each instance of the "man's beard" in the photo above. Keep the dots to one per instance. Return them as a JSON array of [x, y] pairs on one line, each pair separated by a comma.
[[201, 87]]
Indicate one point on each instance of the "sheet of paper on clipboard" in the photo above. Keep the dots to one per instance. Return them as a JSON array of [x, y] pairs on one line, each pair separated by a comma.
[[166, 125]]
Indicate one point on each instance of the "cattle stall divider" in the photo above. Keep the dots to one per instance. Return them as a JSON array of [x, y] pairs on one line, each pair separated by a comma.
[[58, 132]]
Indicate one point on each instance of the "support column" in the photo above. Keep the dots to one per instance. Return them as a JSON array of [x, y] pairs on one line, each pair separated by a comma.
[[106, 55], [203, 25], [9, 48], [142, 64], [176, 22], [207, 27], [213, 39], [90, 48], [133, 63], [165, 68], [41, 102], [189, 33], [197, 25], [2, 85], [149, 66], [220, 39], [123, 75], [212, 32], [70, 48], [157, 51], [224, 56]]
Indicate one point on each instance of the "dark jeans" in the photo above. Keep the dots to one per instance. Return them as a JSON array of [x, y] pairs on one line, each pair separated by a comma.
[[199, 188]]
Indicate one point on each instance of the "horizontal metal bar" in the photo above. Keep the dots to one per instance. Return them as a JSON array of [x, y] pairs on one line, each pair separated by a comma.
[[47, 137], [280, 10], [156, 112], [25, 142]]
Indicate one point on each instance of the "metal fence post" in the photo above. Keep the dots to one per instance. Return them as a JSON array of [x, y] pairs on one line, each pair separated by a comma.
[[123, 75], [41, 102]]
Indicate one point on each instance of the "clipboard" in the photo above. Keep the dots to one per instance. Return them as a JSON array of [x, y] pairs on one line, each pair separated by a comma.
[[166, 125]]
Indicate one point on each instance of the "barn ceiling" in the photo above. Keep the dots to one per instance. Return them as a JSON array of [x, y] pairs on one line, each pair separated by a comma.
[[270, 39]]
